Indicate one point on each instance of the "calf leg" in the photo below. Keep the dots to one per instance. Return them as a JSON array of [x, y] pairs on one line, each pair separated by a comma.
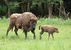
[[33, 31], [52, 36], [15, 30], [41, 34], [48, 36]]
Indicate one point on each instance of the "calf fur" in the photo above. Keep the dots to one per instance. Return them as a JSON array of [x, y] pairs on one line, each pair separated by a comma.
[[48, 28]]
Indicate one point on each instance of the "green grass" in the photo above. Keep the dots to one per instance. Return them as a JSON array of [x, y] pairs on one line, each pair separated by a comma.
[[62, 40]]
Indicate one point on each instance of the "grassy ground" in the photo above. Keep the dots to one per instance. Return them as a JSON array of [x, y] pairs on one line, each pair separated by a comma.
[[62, 40]]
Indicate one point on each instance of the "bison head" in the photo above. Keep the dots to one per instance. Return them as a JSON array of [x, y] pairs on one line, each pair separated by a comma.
[[33, 22]]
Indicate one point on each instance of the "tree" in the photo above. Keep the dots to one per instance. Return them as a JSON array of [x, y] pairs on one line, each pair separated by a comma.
[[8, 10]]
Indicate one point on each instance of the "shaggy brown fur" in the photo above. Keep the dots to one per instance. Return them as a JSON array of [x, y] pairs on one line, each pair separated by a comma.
[[48, 28], [29, 23], [13, 19], [25, 21]]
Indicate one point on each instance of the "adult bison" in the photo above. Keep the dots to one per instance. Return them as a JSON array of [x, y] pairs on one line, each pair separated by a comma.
[[26, 21]]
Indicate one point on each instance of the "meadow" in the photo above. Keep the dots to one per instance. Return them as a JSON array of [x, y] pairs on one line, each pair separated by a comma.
[[62, 40]]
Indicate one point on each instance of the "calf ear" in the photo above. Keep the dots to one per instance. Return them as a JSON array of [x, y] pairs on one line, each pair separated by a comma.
[[56, 28], [39, 27]]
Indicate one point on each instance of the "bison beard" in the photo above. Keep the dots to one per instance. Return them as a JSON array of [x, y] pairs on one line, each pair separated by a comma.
[[30, 27]]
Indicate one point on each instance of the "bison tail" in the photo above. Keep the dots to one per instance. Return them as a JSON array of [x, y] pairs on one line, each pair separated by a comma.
[[39, 27]]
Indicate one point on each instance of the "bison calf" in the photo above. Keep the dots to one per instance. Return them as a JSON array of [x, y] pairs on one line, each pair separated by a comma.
[[48, 28]]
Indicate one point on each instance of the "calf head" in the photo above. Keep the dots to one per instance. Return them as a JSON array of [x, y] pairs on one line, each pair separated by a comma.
[[56, 30]]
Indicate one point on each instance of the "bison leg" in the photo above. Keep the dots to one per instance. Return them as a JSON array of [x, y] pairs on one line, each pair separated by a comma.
[[16, 29], [25, 32], [41, 34], [9, 28], [33, 31]]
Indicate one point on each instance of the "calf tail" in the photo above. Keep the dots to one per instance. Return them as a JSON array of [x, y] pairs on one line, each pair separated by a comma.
[[39, 27], [12, 29]]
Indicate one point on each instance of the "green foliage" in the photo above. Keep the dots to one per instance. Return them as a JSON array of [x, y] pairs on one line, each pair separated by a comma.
[[40, 6], [13, 5], [3, 9]]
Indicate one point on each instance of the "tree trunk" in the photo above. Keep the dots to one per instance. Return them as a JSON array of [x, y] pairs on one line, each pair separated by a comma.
[[8, 9], [66, 15], [60, 11], [8, 12], [28, 6], [50, 10], [22, 5], [22, 8]]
